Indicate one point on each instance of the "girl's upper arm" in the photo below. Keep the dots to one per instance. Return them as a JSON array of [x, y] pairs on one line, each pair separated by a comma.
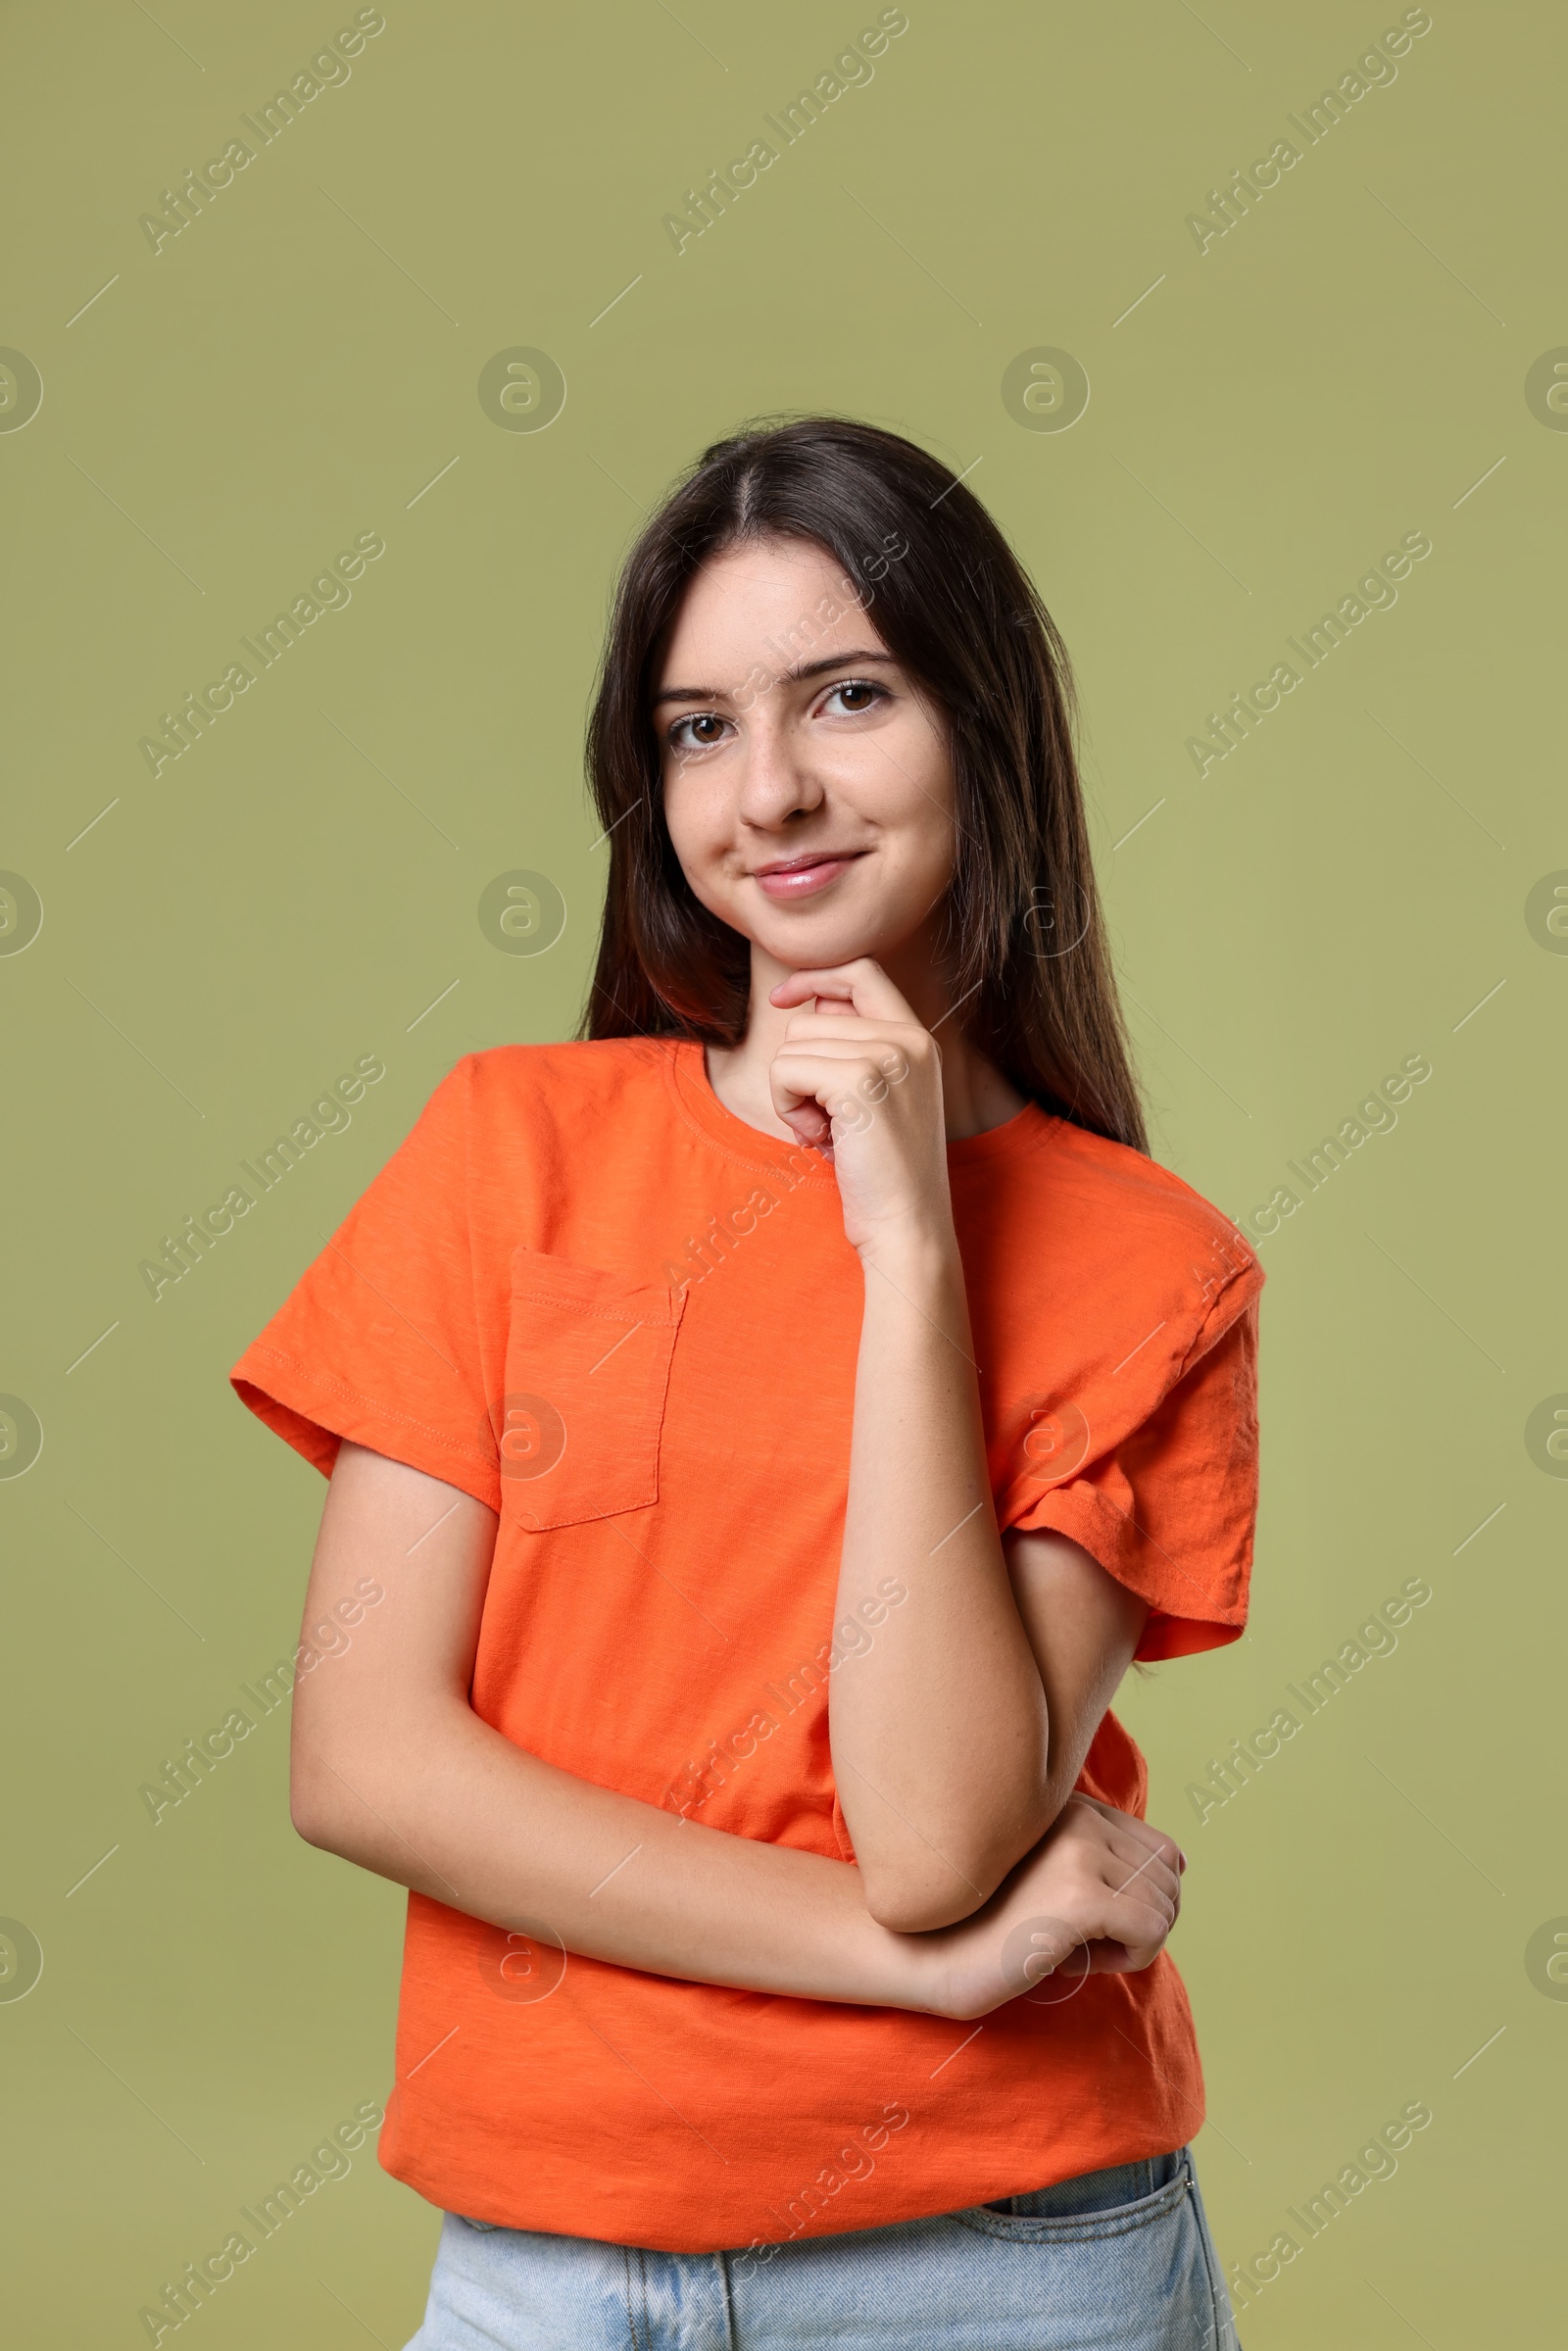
[[392, 1612], [1083, 1628]]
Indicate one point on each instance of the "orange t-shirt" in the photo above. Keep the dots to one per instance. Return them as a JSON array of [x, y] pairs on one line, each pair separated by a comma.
[[585, 1293]]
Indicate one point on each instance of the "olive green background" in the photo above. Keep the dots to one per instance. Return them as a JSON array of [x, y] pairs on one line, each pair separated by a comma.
[[301, 364]]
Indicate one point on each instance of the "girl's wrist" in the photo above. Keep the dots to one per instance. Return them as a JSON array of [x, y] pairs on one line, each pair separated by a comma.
[[917, 1254], [910, 1970]]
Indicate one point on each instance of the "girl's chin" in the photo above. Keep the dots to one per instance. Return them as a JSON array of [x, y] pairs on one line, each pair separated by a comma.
[[801, 949], [823, 935]]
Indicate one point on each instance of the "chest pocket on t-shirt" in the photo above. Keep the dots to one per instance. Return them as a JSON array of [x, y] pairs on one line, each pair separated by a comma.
[[588, 1358]]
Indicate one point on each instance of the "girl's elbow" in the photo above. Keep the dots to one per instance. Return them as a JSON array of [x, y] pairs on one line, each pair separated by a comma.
[[914, 1890], [916, 1910], [308, 1821], [913, 1899], [312, 1810]]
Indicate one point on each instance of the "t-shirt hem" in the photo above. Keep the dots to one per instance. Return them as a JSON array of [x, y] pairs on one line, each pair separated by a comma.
[[1093, 1521], [313, 1411], [655, 2233]]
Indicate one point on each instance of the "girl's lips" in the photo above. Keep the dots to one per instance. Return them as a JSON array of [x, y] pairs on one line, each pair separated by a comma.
[[804, 881]]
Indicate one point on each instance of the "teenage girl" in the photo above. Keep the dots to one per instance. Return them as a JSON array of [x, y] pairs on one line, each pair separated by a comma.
[[761, 1435]]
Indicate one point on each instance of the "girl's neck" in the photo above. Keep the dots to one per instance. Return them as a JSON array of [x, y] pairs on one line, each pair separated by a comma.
[[975, 1094]]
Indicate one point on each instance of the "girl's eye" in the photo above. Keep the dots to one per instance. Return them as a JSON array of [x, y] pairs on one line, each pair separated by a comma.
[[700, 732], [857, 696]]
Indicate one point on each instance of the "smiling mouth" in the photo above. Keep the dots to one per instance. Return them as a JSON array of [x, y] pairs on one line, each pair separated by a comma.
[[803, 876]]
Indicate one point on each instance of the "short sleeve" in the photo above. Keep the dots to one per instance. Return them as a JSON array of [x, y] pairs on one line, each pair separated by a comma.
[[380, 1341], [1170, 1510]]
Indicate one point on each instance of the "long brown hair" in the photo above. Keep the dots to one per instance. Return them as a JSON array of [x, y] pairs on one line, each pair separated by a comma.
[[1023, 934]]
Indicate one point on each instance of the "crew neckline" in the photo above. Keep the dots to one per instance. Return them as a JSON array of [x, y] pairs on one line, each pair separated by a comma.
[[1025, 1131]]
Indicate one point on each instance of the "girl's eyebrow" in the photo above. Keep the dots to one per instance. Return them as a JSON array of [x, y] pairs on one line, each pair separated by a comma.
[[854, 660]]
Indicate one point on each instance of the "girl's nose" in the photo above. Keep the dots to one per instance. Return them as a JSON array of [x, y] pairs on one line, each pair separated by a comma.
[[776, 780]]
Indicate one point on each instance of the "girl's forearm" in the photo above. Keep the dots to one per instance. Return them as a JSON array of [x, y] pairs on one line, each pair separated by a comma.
[[940, 1731], [451, 1808]]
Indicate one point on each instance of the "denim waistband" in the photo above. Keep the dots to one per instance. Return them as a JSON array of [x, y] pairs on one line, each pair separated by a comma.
[[1093, 2191]]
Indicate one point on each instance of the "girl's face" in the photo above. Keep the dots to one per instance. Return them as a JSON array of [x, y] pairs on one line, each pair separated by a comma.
[[807, 787]]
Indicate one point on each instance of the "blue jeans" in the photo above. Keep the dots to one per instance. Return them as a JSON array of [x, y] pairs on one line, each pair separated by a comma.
[[1119, 2260]]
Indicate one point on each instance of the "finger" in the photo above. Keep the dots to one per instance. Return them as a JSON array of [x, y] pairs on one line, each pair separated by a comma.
[[1126, 1861], [1172, 1850], [809, 1105], [1109, 1958], [810, 1127], [1129, 1857], [1130, 1822], [1139, 1956], [1080, 1801], [836, 1020], [1136, 1905], [1117, 1939], [1107, 1832], [1163, 1884], [1129, 1825], [842, 1080], [794, 1094], [853, 1045], [896, 1051], [1142, 1926], [889, 1041], [863, 984]]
